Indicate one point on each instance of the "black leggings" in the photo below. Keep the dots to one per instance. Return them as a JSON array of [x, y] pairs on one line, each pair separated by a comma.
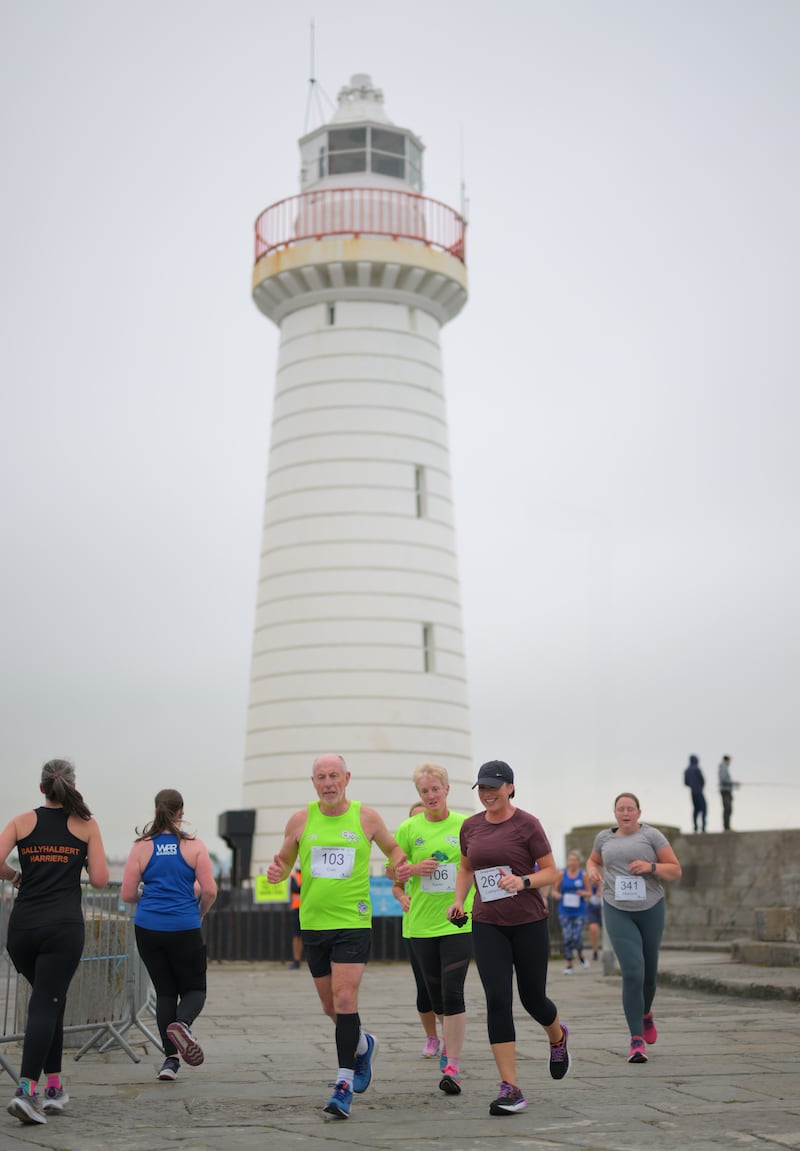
[[47, 957], [176, 964], [423, 998], [499, 952], [444, 960]]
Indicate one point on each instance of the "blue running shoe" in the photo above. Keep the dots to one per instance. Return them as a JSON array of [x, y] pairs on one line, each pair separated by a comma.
[[339, 1103], [443, 1059], [362, 1072]]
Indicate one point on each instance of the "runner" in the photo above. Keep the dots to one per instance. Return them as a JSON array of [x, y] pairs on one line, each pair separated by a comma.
[[635, 860], [46, 929], [169, 877], [427, 1016], [332, 837], [506, 854], [443, 950]]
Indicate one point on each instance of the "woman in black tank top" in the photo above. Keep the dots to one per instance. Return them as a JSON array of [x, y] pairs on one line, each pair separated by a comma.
[[45, 930]]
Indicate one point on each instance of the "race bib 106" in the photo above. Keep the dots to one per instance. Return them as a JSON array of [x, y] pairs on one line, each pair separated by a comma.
[[442, 879]]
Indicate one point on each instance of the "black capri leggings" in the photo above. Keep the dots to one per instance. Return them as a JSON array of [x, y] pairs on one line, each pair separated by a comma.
[[176, 964], [48, 957], [499, 952], [444, 960], [424, 1004]]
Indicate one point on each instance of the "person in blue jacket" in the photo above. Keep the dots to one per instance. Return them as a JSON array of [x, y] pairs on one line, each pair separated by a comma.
[[168, 875]]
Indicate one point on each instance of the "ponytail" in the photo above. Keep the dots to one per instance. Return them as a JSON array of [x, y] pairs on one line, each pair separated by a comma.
[[58, 785]]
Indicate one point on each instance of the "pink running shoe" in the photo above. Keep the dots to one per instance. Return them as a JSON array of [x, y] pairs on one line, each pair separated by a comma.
[[188, 1047], [637, 1053], [649, 1029], [431, 1048]]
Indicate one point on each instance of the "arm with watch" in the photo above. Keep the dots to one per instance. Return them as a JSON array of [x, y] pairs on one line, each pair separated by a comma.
[[546, 876], [664, 866]]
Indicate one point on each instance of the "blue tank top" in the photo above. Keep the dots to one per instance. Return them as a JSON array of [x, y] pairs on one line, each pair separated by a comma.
[[168, 901], [572, 905]]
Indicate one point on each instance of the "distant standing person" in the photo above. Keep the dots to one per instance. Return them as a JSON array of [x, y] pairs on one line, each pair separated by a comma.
[[168, 875], [726, 786], [507, 856], [695, 781], [46, 929], [570, 892], [332, 838], [633, 859]]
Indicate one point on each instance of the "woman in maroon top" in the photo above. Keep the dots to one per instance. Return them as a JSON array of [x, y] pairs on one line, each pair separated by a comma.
[[506, 854]]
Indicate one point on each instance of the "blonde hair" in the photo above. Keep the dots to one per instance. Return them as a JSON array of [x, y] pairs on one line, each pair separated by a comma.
[[434, 770]]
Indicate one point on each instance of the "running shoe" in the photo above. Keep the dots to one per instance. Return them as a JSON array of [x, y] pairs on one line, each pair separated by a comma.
[[649, 1029], [443, 1058], [595, 955], [170, 1068], [509, 1100], [450, 1082], [339, 1103], [569, 971], [26, 1108], [584, 962], [559, 1056], [431, 1048], [637, 1052], [362, 1072], [188, 1048], [55, 1100]]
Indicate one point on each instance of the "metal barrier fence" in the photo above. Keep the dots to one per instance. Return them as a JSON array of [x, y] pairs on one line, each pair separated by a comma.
[[110, 991], [235, 929]]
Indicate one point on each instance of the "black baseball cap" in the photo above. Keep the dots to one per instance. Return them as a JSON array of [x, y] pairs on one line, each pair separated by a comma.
[[494, 774]]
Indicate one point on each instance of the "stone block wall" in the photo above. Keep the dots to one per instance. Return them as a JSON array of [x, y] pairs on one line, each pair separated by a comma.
[[729, 880]]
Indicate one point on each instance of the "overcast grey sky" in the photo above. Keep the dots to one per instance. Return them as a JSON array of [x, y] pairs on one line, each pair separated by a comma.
[[622, 385]]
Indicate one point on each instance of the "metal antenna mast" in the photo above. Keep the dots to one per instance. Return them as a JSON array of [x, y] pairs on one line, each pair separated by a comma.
[[315, 89]]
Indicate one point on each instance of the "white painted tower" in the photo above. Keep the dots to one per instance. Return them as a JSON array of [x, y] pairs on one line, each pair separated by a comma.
[[358, 644]]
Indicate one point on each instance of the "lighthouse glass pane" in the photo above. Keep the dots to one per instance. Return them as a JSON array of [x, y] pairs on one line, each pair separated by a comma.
[[383, 141], [414, 166], [344, 162], [347, 150], [388, 165]]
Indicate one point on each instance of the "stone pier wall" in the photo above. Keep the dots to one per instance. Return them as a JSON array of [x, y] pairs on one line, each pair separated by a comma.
[[727, 876]]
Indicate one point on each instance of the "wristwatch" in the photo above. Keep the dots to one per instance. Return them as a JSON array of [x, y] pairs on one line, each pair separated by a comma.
[[653, 868], [526, 881]]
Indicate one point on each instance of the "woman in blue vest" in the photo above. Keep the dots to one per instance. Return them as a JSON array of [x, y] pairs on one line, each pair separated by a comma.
[[570, 892], [169, 877]]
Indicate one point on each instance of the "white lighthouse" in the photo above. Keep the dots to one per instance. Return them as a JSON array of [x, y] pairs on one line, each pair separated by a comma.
[[358, 645]]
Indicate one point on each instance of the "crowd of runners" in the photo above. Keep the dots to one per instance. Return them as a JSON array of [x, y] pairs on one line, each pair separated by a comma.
[[469, 887]]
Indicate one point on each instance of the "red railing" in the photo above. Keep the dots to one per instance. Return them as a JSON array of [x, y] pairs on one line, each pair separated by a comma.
[[360, 212]]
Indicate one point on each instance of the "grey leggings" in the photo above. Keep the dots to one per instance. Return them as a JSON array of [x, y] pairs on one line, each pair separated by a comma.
[[636, 938]]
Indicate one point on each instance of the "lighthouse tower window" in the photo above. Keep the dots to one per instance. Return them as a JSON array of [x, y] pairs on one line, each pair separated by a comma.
[[427, 647], [387, 153], [347, 151], [420, 493]]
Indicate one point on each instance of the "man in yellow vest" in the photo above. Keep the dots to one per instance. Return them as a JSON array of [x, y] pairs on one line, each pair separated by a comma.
[[332, 838]]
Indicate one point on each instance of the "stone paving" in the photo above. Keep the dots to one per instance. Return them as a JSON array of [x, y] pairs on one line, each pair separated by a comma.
[[725, 1072]]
